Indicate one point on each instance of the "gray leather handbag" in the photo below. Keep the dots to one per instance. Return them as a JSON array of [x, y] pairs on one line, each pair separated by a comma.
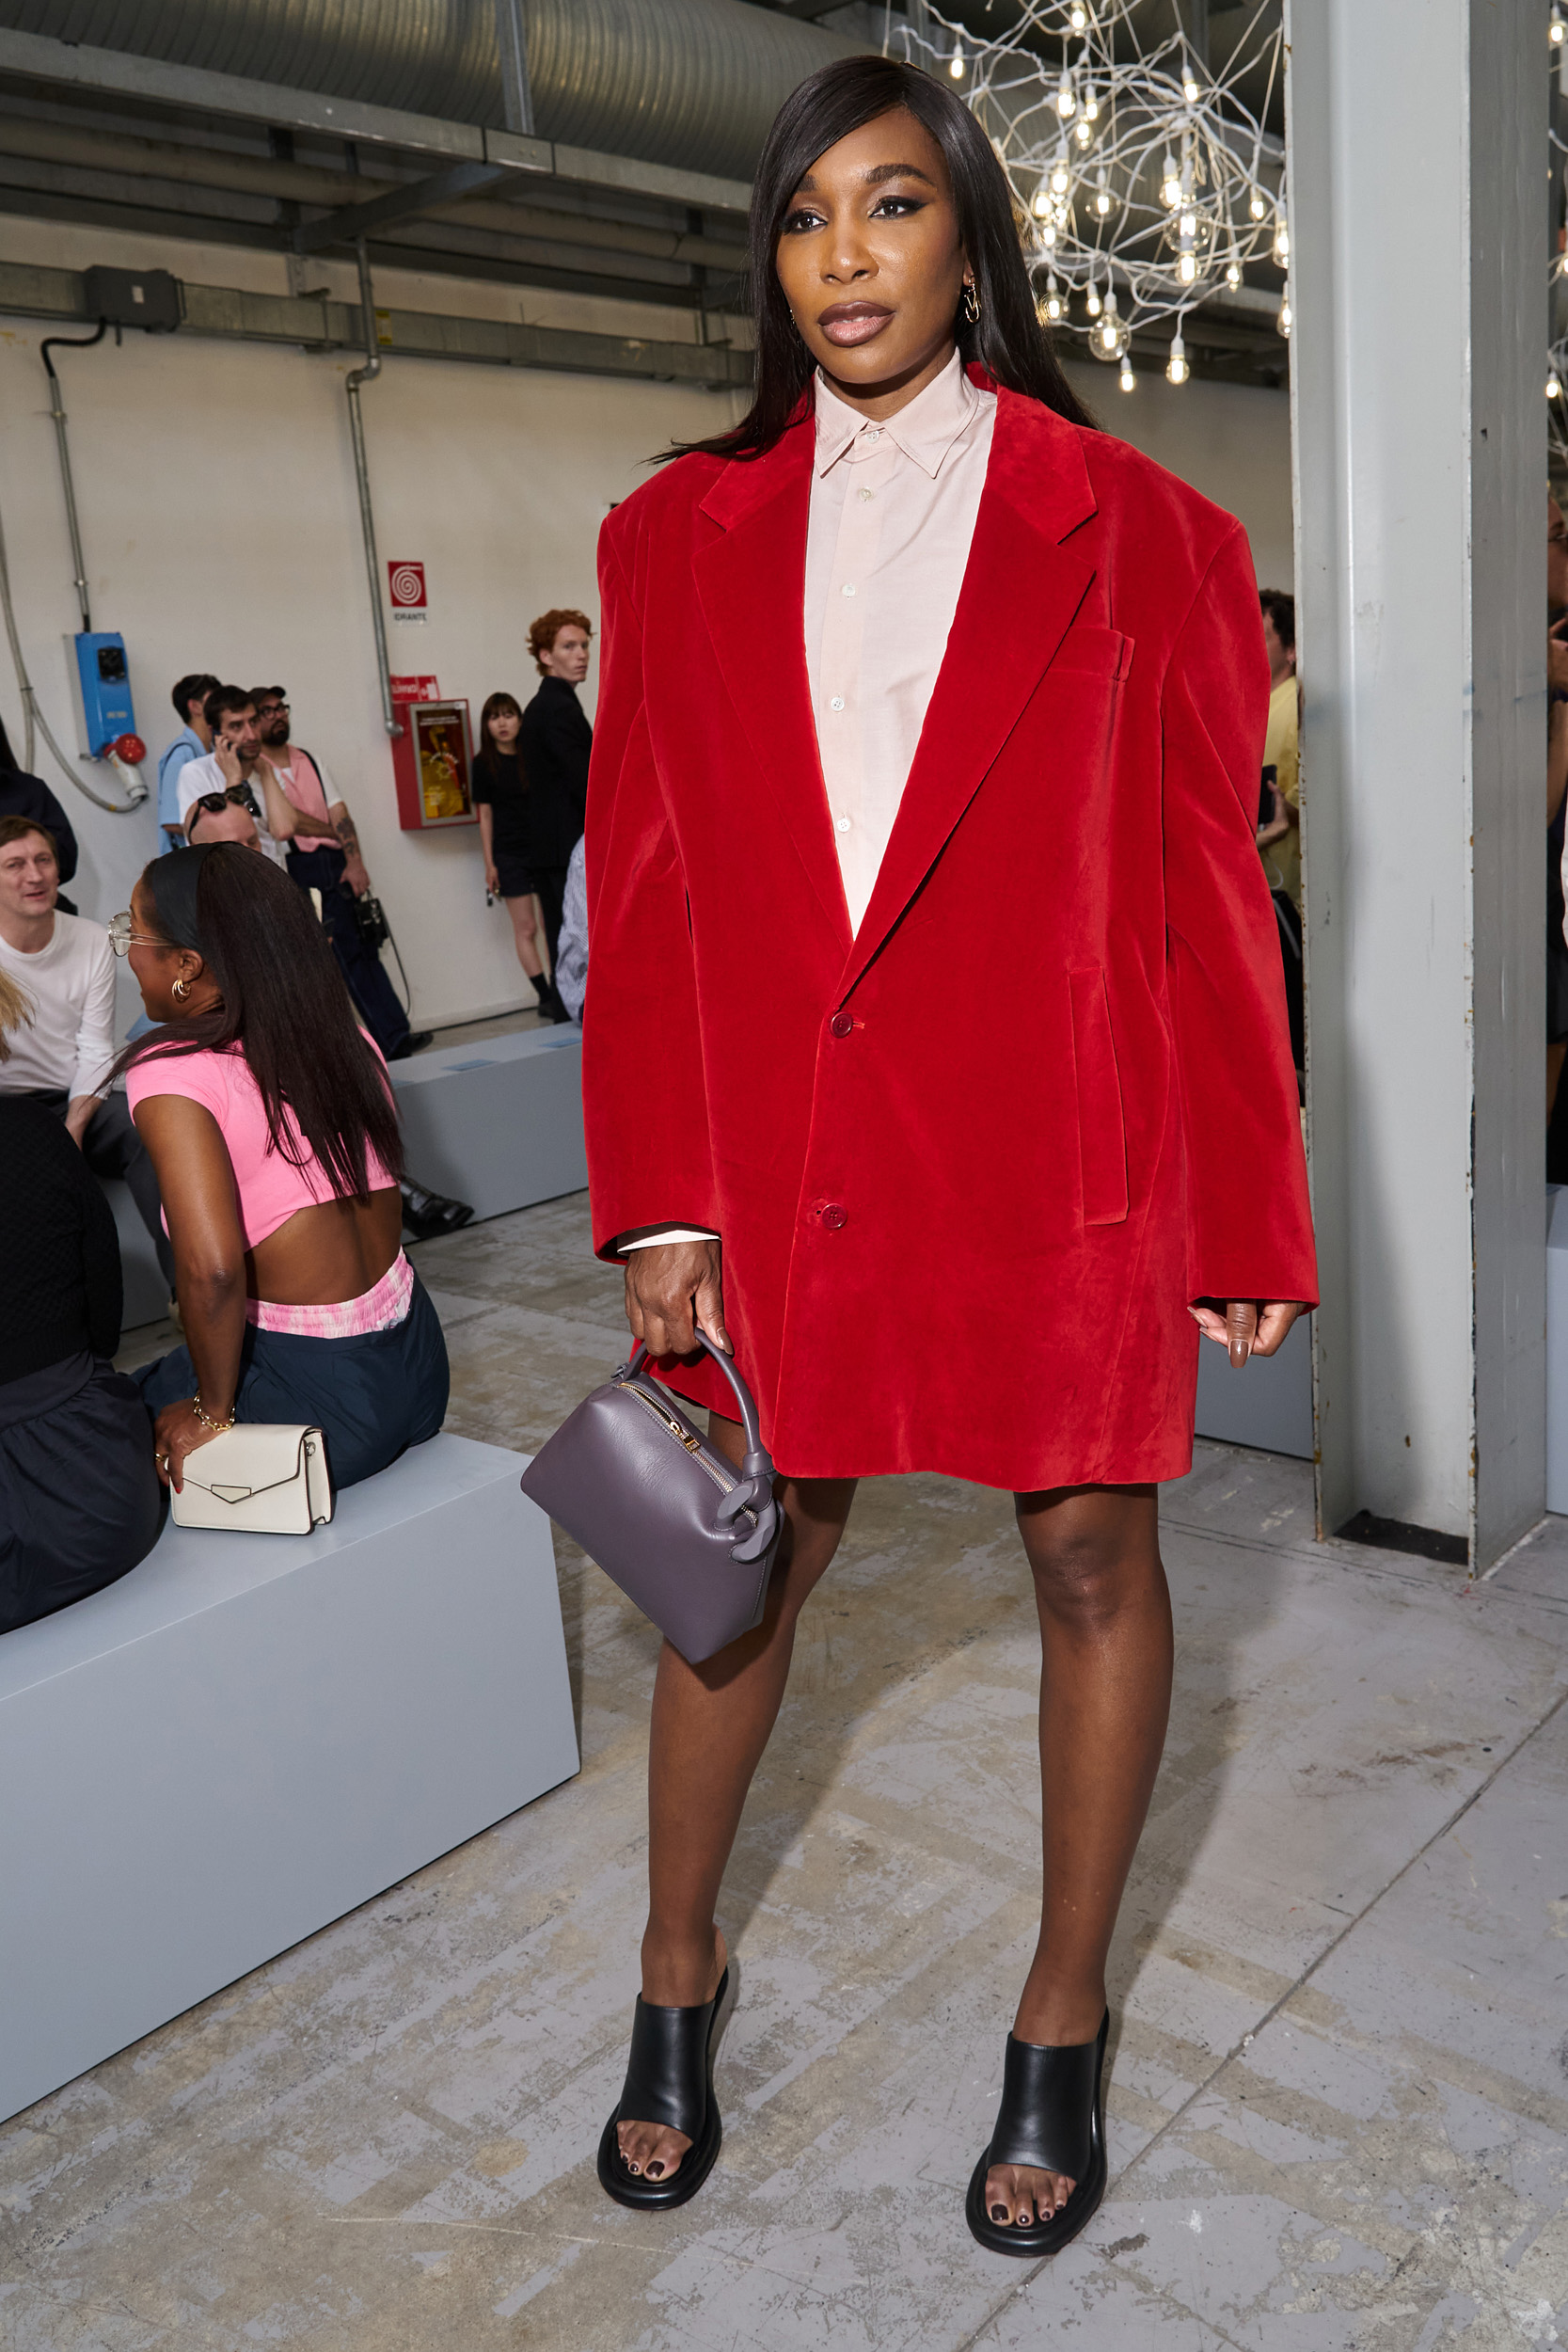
[[686, 1535]]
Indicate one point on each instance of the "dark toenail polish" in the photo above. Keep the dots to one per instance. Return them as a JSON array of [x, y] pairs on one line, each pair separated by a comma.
[[655, 2171], [998, 2213], [632, 2168]]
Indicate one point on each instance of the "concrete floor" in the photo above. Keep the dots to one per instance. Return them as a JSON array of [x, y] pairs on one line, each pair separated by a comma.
[[1339, 2098]]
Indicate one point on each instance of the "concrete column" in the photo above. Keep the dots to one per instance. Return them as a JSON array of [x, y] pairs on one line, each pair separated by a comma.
[[1418, 157]]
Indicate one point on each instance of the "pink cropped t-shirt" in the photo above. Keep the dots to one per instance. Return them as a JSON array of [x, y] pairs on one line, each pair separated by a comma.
[[270, 1186]]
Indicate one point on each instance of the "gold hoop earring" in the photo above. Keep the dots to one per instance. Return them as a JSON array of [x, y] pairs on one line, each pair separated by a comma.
[[971, 303], [182, 989]]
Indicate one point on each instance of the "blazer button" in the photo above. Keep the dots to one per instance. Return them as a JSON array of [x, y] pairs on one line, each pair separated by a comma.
[[833, 1217], [842, 1023]]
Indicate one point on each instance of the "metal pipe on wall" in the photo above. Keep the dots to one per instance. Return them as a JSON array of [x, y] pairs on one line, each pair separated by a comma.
[[367, 374]]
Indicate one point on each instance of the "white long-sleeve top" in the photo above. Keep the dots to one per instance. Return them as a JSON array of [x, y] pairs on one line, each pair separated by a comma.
[[69, 1045], [888, 531]]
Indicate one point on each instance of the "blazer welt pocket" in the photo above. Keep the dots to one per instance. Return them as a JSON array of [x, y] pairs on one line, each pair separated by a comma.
[[1101, 1128], [1102, 652]]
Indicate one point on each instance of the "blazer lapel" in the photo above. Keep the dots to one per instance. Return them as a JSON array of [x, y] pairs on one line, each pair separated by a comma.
[[1021, 588], [750, 581]]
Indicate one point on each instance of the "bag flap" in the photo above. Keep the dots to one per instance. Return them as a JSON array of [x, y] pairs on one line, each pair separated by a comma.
[[248, 1460]]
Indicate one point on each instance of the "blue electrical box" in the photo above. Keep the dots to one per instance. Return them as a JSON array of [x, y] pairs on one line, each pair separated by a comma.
[[104, 683]]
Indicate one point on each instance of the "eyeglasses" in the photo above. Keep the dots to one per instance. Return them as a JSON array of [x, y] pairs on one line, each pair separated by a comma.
[[270, 710], [122, 938]]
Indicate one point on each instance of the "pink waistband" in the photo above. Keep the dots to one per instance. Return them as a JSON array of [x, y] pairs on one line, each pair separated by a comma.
[[375, 1311]]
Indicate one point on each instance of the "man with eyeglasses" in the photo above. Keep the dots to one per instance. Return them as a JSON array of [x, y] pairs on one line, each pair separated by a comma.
[[235, 765], [62, 1056], [324, 856]]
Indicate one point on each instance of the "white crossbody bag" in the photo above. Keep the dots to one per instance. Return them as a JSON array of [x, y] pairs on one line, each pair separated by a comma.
[[259, 1478]]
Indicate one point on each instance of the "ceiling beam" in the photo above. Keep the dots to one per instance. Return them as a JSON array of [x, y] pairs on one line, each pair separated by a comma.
[[192, 90], [353, 221]]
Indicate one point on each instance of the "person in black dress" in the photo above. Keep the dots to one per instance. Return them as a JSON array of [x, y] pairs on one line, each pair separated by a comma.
[[80, 1502]]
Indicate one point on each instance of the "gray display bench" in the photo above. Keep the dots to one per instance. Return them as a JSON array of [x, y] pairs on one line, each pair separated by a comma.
[[1267, 1403], [146, 1291], [250, 1735], [1556, 1347], [498, 1123]]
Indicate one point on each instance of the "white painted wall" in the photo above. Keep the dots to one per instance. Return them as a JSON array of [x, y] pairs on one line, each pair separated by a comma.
[[216, 492]]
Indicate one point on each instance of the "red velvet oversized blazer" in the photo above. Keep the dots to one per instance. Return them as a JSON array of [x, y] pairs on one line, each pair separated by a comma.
[[971, 1163]]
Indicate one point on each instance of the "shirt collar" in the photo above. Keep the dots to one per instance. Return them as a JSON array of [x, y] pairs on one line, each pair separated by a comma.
[[926, 430]]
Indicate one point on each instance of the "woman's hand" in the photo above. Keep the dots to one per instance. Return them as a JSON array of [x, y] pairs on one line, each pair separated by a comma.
[[672, 1286], [1248, 1327], [492, 881], [178, 1433]]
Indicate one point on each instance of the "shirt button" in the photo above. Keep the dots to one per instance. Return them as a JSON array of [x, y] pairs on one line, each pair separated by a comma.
[[842, 823], [875, 434], [846, 590], [834, 1218], [842, 1023], [866, 496], [837, 702]]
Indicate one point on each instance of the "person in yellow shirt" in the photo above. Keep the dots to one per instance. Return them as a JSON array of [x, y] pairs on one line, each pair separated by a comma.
[[1280, 841]]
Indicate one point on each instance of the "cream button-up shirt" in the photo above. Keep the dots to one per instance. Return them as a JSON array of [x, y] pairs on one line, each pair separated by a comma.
[[888, 532], [892, 509]]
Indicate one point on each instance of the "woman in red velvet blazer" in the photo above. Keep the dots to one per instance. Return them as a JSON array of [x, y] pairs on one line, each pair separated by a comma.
[[959, 1183]]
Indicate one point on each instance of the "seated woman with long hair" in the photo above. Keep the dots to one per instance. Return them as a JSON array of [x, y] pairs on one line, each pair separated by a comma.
[[79, 1501], [270, 1121]]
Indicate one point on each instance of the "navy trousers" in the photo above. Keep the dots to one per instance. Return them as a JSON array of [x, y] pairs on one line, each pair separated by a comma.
[[80, 1502], [367, 984], [371, 1398]]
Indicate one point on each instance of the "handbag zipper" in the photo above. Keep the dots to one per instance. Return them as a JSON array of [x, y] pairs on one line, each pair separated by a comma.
[[686, 1438]]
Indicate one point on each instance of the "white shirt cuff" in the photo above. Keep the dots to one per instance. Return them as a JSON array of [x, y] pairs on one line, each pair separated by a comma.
[[655, 1236]]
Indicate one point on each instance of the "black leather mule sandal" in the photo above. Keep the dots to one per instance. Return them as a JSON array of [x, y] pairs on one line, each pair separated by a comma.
[[668, 2081], [1052, 2117]]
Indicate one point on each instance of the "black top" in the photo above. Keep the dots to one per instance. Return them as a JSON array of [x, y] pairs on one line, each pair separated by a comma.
[[555, 741], [499, 781], [30, 796], [62, 1288]]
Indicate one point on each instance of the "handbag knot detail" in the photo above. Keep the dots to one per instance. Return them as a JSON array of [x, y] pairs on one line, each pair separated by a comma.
[[686, 1535]]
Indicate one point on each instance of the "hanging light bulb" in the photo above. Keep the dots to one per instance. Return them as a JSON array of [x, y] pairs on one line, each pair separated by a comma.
[[1281, 240], [1170, 182], [1083, 131], [1042, 205], [1091, 105], [1186, 267], [1077, 16], [1091, 300], [1067, 101], [1554, 386], [1286, 320], [1176, 366], [1050, 308], [1234, 273], [1256, 205], [1556, 29], [1061, 175], [1108, 333], [956, 64], [1129, 381], [1189, 81], [1102, 195], [1048, 236]]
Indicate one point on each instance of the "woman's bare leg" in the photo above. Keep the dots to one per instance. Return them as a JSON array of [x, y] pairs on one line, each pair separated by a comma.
[[710, 1726], [525, 935], [1105, 1677]]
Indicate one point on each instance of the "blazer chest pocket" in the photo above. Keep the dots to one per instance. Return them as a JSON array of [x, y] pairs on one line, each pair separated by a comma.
[[1089, 652], [1101, 1128]]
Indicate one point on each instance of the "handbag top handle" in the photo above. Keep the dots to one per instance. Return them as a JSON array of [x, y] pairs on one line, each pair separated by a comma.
[[758, 1461]]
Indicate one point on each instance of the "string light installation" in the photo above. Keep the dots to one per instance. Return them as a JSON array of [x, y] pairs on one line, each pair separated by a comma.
[[1146, 182]]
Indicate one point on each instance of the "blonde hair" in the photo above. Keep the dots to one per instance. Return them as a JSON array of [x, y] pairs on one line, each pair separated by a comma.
[[16, 1010]]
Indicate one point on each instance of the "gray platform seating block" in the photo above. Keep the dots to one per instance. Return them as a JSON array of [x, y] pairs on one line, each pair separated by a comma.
[[250, 1735], [1556, 1347], [1267, 1403], [498, 1122], [146, 1291]]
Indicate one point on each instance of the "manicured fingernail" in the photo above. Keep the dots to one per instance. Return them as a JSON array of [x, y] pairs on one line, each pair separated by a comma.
[[998, 2213], [655, 2171]]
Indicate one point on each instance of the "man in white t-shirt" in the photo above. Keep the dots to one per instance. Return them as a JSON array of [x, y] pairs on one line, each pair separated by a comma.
[[235, 763], [63, 1055]]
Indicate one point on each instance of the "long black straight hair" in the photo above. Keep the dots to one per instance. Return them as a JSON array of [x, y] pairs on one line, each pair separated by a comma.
[[284, 1004], [1008, 339]]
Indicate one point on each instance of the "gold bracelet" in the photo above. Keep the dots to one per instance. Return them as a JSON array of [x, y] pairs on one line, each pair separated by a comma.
[[217, 1427]]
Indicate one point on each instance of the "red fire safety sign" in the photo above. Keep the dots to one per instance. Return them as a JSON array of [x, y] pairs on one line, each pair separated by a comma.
[[405, 582]]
